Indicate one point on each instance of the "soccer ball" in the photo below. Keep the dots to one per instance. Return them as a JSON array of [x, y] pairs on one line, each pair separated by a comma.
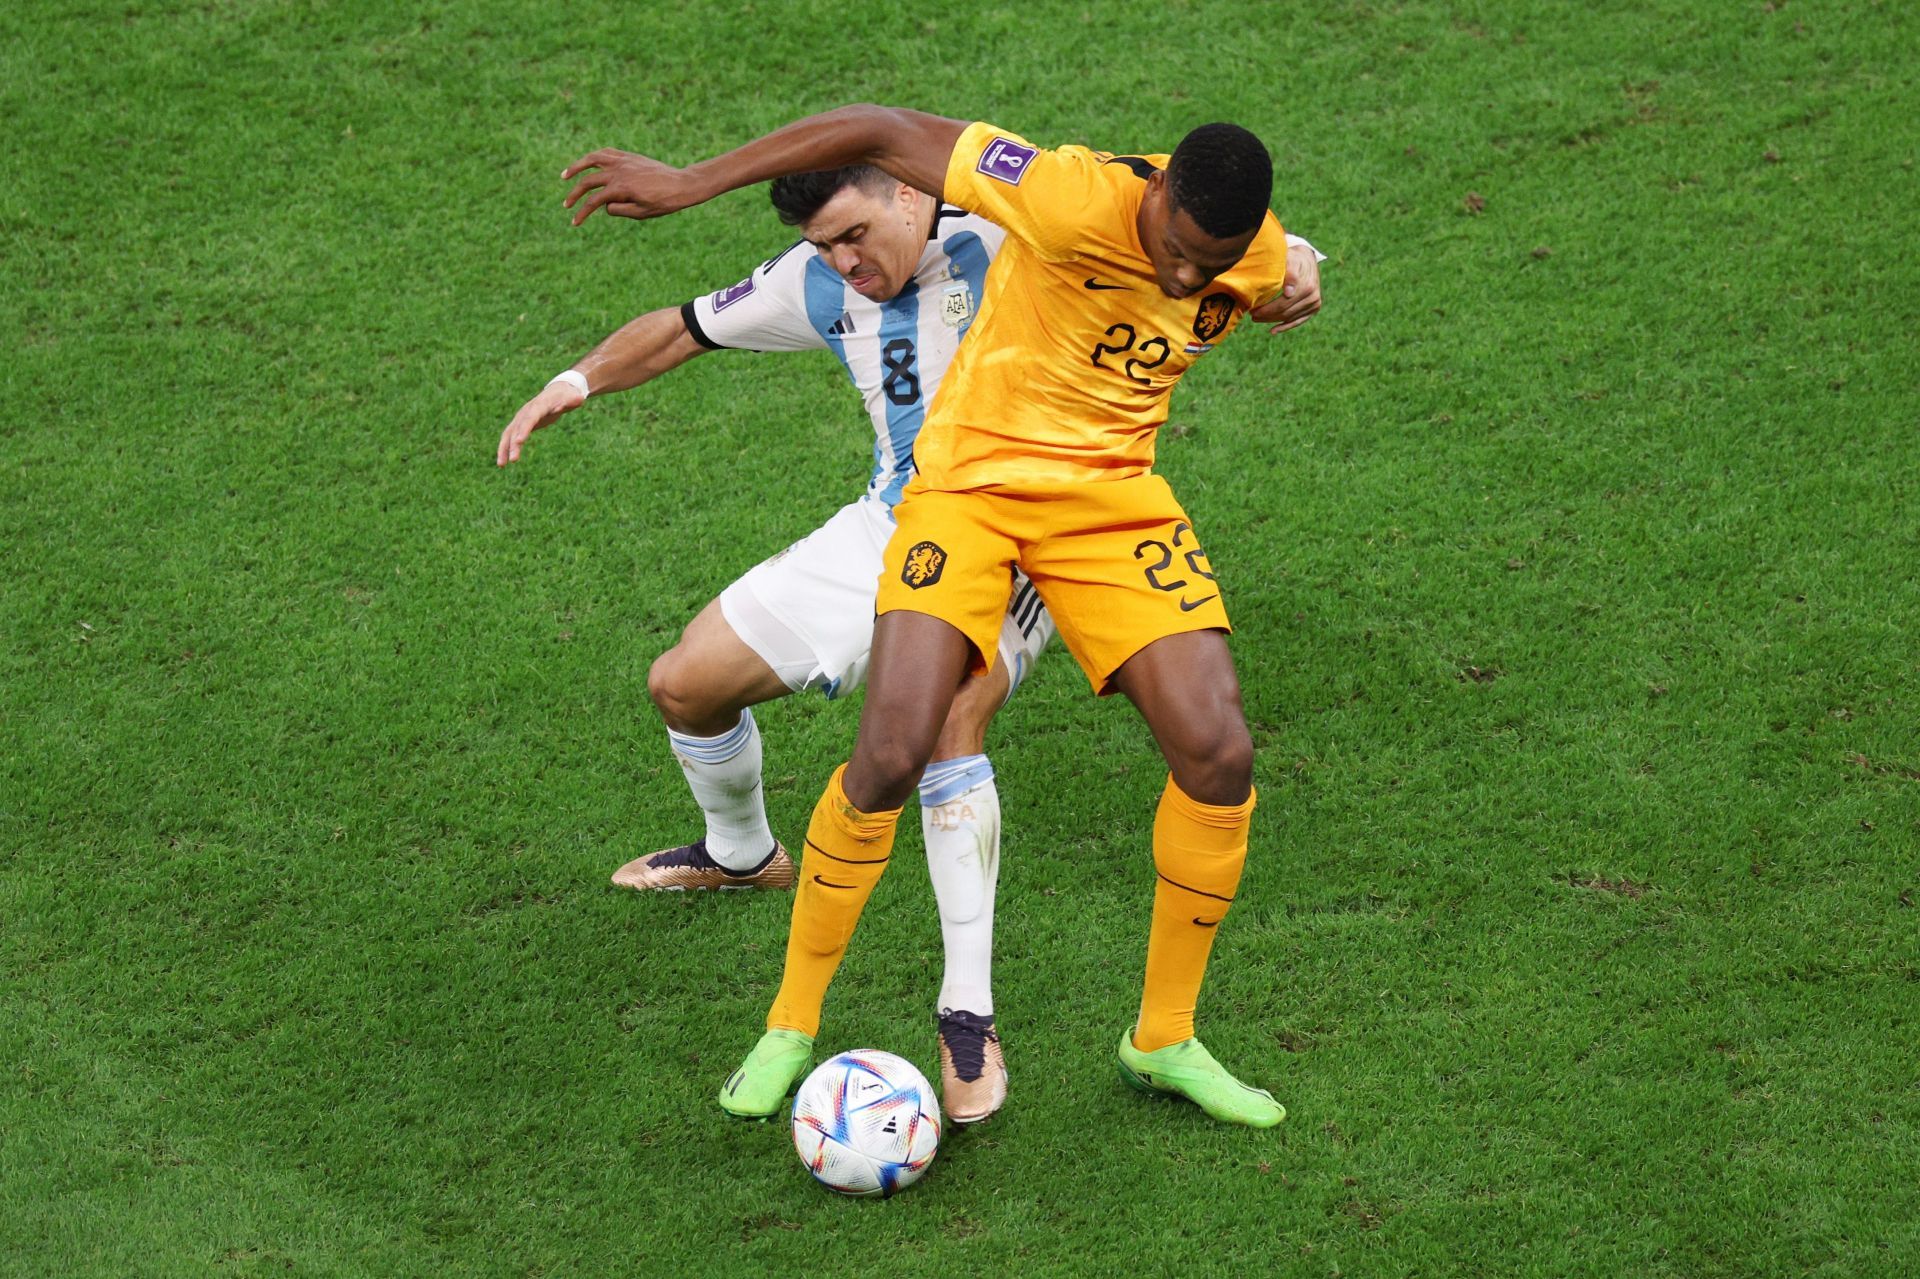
[[866, 1123]]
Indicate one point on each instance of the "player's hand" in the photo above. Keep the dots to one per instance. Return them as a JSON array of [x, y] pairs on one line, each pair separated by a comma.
[[544, 409], [628, 186], [1299, 298]]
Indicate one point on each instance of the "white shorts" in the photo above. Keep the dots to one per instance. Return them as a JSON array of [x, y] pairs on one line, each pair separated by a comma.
[[808, 611]]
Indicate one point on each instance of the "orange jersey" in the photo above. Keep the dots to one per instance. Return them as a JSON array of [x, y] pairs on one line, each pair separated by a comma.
[[1068, 369]]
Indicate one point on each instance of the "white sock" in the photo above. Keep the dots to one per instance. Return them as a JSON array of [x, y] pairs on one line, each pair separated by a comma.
[[724, 774], [960, 816]]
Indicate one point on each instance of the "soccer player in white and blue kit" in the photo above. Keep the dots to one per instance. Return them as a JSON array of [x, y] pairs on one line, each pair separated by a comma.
[[888, 280]]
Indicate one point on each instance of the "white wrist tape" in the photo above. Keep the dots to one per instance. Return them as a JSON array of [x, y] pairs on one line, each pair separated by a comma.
[[575, 379], [1294, 241]]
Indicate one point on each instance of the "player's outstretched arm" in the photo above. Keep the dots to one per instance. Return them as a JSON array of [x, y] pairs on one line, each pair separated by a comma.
[[1299, 298], [637, 352], [911, 145]]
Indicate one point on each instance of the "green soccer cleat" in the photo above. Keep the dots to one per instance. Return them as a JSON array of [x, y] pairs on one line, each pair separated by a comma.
[[756, 1090], [1187, 1069]]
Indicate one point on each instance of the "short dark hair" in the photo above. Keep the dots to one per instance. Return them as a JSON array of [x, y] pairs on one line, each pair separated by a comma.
[[1222, 177], [799, 196]]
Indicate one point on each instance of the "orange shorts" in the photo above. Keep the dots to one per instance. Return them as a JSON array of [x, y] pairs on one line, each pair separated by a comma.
[[1116, 561]]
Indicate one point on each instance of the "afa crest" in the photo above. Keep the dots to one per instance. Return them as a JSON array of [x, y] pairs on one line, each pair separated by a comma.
[[1215, 313], [956, 305], [923, 565]]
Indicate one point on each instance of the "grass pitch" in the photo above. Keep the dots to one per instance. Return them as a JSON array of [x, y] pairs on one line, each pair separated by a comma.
[[1571, 549]]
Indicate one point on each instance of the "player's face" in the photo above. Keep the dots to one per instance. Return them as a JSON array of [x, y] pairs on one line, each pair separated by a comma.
[[874, 240], [1185, 258]]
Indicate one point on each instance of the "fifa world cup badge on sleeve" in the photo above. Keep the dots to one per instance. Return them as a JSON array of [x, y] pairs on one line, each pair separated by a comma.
[[728, 296], [1006, 160]]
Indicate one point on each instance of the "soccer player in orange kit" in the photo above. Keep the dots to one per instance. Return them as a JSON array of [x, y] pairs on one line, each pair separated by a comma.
[[1119, 272]]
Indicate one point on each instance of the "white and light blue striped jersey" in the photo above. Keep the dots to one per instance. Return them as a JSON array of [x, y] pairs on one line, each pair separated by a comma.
[[895, 352]]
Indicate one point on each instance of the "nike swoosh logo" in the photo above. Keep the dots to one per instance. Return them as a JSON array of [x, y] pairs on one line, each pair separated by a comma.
[[1188, 608], [828, 884], [1206, 923], [1094, 284]]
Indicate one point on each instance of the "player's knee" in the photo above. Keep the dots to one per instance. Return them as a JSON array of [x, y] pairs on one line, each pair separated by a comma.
[[1235, 764], [676, 695], [883, 773], [662, 687], [1220, 769], [897, 765]]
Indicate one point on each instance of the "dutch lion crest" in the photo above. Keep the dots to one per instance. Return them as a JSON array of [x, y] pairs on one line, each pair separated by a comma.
[[1215, 313], [923, 565]]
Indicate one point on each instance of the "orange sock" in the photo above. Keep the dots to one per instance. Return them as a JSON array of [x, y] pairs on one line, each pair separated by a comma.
[[846, 853], [1198, 850]]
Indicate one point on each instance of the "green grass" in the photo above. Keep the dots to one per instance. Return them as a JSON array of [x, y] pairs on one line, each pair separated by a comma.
[[1572, 552]]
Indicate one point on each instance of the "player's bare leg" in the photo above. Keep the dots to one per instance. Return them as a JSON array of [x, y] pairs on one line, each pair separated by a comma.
[[701, 684], [917, 665], [703, 687], [960, 817], [1186, 689]]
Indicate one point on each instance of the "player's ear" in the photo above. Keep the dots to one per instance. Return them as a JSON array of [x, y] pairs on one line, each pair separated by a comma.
[[1156, 196], [1154, 204]]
